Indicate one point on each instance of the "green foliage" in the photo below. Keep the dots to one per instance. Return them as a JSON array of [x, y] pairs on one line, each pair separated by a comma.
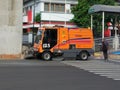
[[38, 17], [80, 11]]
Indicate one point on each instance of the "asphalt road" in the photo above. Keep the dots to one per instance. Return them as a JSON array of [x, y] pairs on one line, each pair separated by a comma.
[[50, 75]]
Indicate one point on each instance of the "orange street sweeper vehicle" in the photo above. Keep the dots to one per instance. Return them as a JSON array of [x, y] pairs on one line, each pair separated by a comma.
[[66, 42]]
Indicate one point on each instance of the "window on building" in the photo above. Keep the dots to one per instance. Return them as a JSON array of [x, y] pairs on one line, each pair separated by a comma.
[[57, 7], [62, 7], [46, 6], [53, 7]]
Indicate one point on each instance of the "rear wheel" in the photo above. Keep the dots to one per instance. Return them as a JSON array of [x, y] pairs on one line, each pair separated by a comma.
[[83, 55], [46, 56]]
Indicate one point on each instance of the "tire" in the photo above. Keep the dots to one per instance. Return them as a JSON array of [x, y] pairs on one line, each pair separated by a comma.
[[83, 55], [46, 56]]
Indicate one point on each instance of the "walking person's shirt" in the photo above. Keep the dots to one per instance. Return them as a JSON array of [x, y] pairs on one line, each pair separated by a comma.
[[104, 45]]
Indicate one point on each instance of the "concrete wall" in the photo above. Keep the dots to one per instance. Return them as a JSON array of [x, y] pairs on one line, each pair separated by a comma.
[[10, 28]]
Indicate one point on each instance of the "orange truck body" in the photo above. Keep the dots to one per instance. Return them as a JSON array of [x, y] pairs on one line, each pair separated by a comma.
[[64, 41]]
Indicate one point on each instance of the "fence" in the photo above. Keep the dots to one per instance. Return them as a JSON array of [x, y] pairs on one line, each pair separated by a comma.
[[113, 43]]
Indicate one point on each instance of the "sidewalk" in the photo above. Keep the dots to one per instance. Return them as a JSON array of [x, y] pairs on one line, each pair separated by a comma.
[[112, 57]]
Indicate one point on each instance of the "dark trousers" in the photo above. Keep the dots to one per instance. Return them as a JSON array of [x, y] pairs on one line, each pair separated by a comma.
[[105, 53]]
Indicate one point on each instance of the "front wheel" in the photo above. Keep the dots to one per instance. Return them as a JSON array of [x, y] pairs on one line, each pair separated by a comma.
[[83, 55], [46, 56]]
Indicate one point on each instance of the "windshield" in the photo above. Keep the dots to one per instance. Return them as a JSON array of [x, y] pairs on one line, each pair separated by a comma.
[[38, 36]]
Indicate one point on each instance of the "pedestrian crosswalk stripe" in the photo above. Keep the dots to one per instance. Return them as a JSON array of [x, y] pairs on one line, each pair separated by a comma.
[[101, 68]]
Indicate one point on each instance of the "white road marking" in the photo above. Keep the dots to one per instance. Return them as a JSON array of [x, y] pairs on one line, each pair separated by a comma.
[[101, 68]]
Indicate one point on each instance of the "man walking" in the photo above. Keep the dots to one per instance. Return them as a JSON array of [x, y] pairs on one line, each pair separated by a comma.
[[105, 48]]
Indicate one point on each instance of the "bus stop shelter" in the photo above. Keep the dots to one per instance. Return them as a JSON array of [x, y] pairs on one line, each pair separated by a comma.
[[103, 9]]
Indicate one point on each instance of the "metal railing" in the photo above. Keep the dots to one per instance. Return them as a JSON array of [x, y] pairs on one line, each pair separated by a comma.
[[112, 42]]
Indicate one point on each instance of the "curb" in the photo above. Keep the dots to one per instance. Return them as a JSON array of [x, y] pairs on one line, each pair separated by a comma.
[[112, 57]]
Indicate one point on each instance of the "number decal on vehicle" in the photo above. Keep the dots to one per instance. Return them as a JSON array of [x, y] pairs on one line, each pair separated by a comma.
[[46, 45]]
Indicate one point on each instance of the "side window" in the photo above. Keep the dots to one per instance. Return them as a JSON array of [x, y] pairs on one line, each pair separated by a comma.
[[50, 38]]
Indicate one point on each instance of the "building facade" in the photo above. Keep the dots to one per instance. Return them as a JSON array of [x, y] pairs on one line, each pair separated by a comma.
[[52, 12]]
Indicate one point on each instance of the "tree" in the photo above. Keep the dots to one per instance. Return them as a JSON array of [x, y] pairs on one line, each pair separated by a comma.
[[38, 17], [80, 11]]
